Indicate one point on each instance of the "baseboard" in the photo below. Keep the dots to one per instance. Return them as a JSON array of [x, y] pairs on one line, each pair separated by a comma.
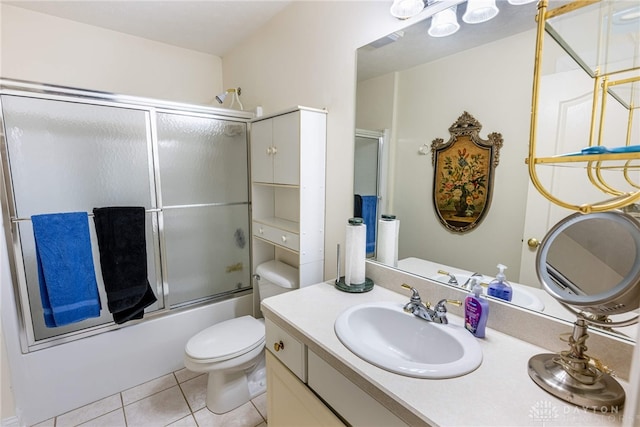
[[10, 422]]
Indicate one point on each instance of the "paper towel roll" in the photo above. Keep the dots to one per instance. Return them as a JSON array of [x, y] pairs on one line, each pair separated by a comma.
[[355, 252], [387, 250]]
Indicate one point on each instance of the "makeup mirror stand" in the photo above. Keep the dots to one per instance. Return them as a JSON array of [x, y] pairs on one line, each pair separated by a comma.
[[575, 377], [598, 242]]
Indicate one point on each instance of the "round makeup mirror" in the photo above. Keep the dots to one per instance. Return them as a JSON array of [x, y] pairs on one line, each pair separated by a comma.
[[591, 264]]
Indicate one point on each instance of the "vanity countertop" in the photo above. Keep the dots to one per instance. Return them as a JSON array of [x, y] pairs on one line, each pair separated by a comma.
[[498, 393]]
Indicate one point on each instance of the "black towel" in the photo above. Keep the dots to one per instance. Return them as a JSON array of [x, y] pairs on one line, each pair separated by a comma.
[[357, 206], [123, 261]]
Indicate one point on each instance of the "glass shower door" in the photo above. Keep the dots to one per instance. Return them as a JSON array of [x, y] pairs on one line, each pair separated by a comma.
[[204, 197], [69, 157]]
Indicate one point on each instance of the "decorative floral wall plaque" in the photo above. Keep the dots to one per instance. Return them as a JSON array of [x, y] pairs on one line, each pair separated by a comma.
[[464, 168]]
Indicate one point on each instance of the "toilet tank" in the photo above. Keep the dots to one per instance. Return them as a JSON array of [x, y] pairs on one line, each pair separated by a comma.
[[276, 277]]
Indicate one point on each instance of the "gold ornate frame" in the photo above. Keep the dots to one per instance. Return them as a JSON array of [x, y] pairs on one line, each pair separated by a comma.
[[463, 174]]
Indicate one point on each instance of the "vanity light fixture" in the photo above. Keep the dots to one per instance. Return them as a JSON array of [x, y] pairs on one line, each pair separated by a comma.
[[405, 9], [479, 11], [235, 96], [444, 23]]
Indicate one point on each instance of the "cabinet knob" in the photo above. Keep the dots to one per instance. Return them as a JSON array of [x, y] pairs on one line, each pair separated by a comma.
[[274, 150], [533, 243], [278, 346], [269, 151], [284, 239], [261, 230]]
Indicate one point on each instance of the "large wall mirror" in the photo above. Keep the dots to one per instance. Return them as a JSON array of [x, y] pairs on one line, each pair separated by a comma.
[[414, 86]]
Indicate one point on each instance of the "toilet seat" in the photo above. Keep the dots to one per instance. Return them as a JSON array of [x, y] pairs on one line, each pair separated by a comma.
[[226, 340]]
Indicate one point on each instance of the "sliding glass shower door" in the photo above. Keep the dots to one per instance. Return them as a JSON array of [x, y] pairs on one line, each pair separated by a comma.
[[189, 170], [204, 177], [72, 157]]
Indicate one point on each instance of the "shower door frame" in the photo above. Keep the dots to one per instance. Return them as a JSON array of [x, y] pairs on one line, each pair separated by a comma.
[[150, 107]]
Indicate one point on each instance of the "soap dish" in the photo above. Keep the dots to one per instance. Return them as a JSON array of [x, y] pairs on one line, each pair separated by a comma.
[[354, 288]]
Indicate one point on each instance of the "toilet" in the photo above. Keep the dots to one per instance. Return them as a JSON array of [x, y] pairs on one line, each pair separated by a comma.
[[232, 352]]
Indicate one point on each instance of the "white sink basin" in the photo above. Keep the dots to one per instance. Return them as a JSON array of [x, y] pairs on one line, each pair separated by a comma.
[[384, 335], [520, 296]]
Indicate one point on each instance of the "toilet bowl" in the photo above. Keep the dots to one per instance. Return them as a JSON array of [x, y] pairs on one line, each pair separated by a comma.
[[232, 352]]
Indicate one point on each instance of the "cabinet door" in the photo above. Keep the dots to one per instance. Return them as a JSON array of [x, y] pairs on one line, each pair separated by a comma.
[[291, 403], [286, 140], [261, 157]]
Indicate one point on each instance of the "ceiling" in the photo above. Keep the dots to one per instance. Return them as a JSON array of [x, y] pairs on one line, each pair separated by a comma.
[[210, 26], [416, 47]]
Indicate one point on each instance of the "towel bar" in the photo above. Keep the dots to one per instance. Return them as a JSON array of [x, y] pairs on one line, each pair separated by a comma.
[[90, 214]]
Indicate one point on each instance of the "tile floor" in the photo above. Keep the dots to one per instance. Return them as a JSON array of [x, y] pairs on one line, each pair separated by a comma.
[[176, 400]]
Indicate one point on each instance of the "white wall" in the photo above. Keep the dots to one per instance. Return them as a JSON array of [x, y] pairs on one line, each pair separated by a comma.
[[306, 56], [376, 102], [52, 50], [47, 49]]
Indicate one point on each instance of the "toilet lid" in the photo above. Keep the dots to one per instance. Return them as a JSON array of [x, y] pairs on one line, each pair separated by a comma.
[[226, 339]]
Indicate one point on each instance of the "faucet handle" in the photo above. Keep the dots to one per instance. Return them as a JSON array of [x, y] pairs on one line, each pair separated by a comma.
[[409, 287], [415, 297], [414, 294], [441, 309], [455, 302]]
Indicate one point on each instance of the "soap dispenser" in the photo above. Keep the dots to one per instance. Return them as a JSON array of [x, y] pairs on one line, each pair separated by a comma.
[[499, 287], [476, 310]]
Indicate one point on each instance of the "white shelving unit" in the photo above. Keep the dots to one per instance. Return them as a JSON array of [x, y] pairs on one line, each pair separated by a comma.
[[288, 190]]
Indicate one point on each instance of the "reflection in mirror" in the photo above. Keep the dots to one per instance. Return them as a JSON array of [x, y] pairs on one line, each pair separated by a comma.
[[369, 190], [593, 262], [590, 262], [417, 85]]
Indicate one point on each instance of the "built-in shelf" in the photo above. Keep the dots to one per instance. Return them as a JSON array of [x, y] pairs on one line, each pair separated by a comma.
[[288, 152], [275, 185]]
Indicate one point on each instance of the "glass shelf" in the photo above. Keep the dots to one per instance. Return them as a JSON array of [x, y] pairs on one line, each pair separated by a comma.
[[588, 158], [602, 37]]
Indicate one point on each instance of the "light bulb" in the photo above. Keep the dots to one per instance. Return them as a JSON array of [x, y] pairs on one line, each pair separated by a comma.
[[444, 23], [404, 9], [479, 11]]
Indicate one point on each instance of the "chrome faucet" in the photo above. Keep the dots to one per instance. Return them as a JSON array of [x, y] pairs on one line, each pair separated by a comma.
[[452, 278], [441, 310], [416, 307], [466, 284]]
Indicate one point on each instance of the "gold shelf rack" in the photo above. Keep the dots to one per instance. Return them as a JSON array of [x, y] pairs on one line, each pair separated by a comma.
[[614, 77]]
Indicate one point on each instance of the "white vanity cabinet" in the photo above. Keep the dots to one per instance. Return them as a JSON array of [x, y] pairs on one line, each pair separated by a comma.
[[304, 390], [288, 190], [289, 401]]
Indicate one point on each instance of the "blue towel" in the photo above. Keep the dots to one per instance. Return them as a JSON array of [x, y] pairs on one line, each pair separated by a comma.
[[369, 206], [68, 287]]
